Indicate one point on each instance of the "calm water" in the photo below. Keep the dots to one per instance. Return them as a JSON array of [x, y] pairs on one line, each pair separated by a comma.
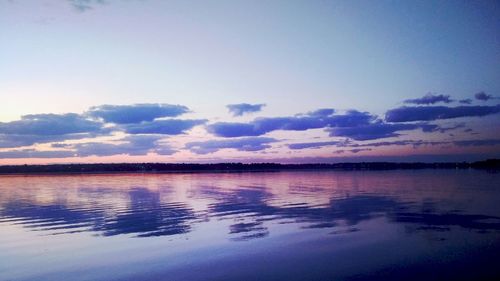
[[390, 225]]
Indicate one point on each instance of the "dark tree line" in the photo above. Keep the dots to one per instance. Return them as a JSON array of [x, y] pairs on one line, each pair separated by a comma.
[[491, 164]]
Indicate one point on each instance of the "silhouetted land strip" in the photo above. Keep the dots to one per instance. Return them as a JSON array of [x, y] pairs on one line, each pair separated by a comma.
[[490, 164]]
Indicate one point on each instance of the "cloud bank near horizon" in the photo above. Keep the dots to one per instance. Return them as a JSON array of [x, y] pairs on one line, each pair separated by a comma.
[[156, 129]]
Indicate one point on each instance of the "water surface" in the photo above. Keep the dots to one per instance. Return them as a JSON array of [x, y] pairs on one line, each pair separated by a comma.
[[326, 225]]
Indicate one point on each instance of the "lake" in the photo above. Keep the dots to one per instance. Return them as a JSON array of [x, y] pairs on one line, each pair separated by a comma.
[[303, 225]]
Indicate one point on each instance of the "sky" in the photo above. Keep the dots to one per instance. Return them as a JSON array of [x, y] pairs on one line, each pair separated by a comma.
[[86, 81]]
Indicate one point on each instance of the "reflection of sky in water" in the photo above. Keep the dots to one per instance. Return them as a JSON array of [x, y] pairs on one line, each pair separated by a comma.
[[302, 223]]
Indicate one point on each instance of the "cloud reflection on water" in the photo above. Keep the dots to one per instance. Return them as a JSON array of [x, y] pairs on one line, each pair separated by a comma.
[[250, 210]]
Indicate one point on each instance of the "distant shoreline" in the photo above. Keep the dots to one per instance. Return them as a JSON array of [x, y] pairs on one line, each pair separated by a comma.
[[118, 168]]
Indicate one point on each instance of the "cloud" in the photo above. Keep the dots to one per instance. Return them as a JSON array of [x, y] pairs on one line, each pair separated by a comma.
[[377, 130], [430, 99], [50, 125], [261, 126], [485, 142], [243, 108], [465, 101], [429, 113], [136, 113], [356, 150], [131, 145], [322, 112], [85, 5], [305, 145], [483, 96], [451, 128], [32, 153], [43, 128], [353, 124], [241, 144], [60, 145], [165, 127], [414, 143], [165, 150], [9, 141]]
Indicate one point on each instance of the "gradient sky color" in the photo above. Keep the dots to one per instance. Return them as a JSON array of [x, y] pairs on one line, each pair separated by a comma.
[[248, 81]]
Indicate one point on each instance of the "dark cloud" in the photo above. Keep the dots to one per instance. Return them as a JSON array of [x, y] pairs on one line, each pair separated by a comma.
[[356, 150], [486, 142], [305, 145], [377, 130], [430, 99], [429, 113], [165, 127], [261, 126], [241, 144], [465, 101], [483, 96], [137, 113], [243, 108]]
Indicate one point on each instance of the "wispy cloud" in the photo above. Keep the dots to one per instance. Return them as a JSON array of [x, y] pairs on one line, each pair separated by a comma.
[[305, 145], [484, 142], [85, 5]]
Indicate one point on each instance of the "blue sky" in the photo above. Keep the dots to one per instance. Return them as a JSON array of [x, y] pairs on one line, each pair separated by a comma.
[[205, 81]]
